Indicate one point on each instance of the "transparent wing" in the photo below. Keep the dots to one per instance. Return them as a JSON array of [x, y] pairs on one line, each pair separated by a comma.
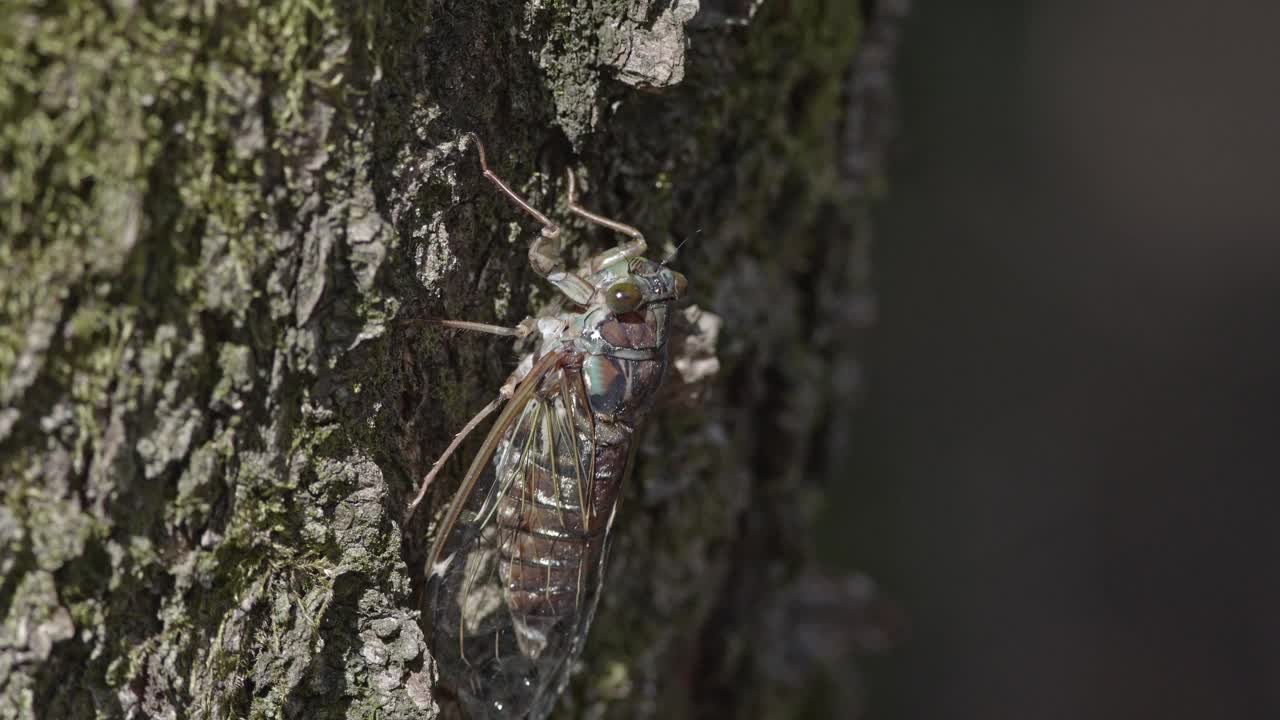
[[518, 568]]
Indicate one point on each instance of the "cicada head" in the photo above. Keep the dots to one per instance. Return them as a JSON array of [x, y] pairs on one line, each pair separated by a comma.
[[632, 302], [627, 285]]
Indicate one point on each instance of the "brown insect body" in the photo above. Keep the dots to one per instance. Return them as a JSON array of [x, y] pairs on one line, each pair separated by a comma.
[[550, 534], [518, 558]]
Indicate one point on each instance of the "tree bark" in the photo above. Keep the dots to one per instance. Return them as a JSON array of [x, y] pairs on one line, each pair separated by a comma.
[[219, 224]]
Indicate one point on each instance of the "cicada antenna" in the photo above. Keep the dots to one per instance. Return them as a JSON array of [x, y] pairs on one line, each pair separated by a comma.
[[676, 251]]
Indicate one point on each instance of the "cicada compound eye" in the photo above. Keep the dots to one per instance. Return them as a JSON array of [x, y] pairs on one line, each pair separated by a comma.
[[623, 297], [682, 285]]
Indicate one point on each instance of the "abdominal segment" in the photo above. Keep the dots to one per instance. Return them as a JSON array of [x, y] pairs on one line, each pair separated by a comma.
[[551, 521], [544, 582], [547, 547]]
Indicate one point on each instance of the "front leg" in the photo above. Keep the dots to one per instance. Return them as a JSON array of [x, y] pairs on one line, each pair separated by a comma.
[[542, 256], [635, 247]]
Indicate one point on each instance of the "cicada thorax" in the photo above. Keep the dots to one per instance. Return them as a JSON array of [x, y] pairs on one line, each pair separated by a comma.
[[625, 372]]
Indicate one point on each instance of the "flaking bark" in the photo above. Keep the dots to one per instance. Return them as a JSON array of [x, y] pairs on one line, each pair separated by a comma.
[[218, 224]]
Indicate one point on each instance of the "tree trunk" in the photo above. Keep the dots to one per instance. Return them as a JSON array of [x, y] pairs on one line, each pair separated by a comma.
[[219, 223]]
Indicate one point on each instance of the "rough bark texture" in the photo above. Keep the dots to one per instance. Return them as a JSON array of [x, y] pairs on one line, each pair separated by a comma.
[[216, 219]]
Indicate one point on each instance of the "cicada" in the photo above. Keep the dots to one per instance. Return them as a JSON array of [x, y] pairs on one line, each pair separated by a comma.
[[515, 569]]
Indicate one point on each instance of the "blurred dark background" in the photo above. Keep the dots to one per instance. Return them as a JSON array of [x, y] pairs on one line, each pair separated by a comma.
[[1067, 451]]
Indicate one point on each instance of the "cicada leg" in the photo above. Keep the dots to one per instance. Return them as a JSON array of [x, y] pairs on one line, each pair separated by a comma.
[[541, 253], [457, 441], [520, 331], [504, 394], [632, 248]]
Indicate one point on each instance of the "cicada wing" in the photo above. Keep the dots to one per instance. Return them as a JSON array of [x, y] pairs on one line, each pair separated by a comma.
[[519, 568], [477, 483]]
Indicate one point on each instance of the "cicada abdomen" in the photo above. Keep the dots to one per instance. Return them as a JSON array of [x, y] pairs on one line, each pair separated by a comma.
[[523, 569]]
